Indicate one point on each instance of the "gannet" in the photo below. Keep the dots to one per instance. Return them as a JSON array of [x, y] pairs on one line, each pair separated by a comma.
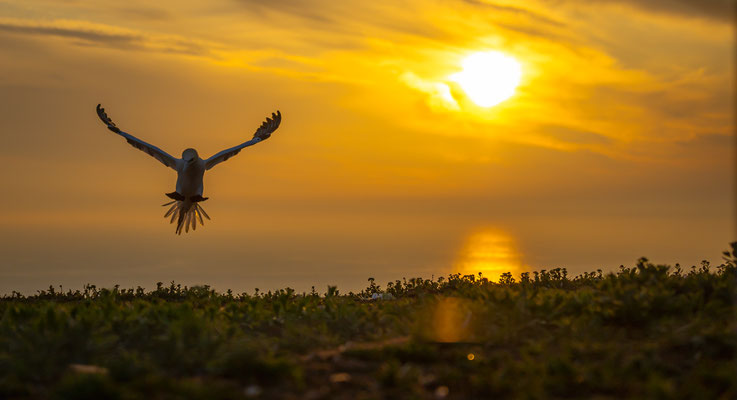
[[185, 205]]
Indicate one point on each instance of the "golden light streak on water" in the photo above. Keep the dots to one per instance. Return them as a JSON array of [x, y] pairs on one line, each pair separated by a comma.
[[491, 252]]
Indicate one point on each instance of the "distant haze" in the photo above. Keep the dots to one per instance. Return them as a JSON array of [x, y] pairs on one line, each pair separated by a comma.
[[618, 143]]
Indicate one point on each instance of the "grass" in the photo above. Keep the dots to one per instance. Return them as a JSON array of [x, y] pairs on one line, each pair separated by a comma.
[[651, 331]]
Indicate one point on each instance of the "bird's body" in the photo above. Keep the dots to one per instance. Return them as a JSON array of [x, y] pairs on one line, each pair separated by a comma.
[[190, 176], [185, 207]]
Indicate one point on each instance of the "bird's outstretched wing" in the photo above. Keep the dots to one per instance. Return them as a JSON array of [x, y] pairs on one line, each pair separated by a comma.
[[155, 152], [262, 133]]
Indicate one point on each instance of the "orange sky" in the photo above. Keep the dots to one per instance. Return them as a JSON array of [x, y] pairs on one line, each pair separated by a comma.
[[618, 143]]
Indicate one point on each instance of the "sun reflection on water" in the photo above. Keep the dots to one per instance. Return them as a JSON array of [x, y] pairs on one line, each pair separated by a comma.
[[490, 252]]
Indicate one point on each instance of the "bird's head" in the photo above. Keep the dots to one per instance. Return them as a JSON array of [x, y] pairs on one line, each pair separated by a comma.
[[190, 155]]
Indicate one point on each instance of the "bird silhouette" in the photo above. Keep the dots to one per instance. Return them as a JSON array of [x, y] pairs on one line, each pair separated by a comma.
[[185, 206]]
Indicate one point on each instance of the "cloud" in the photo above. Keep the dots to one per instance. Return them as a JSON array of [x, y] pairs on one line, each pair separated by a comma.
[[354, 20], [526, 13], [87, 33], [438, 93], [718, 10], [316, 10], [575, 137], [94, 34], [146, 13]]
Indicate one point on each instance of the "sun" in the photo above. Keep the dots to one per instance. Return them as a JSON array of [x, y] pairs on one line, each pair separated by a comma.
[[488, 78]]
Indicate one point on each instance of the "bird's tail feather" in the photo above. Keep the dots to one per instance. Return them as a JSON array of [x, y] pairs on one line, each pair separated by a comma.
[[186, 213]]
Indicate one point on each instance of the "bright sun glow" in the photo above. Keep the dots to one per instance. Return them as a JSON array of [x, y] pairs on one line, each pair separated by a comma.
[[489, 78]]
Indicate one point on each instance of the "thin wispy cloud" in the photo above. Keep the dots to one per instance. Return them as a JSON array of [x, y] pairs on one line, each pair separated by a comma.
[[94, 34], [722, 11]]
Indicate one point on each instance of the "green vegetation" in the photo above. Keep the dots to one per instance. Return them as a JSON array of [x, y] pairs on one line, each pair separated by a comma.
[[651, 331]]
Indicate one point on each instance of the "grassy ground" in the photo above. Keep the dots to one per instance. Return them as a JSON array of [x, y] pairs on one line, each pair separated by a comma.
[[651, 331]]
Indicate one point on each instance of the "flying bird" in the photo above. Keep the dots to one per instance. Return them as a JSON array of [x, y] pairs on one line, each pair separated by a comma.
[[185, 206]]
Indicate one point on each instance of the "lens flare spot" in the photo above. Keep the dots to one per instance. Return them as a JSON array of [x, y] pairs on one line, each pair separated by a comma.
[[451, 320]]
